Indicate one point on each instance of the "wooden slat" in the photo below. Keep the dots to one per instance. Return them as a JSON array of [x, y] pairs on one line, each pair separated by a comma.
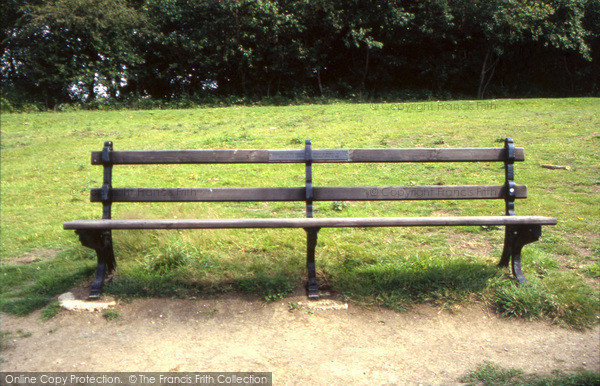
[[433, 155], [363, 193], [308, 222], [202, 194], [390, 193], [184, 157], [297, 156]]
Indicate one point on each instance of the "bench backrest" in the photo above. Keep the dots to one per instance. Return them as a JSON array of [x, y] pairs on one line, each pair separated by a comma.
[[508, 154]]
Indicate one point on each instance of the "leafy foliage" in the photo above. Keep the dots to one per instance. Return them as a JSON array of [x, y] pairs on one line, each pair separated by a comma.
[[63, 50], [75, 51]]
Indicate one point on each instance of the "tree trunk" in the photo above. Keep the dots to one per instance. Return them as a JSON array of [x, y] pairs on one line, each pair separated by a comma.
[[91, 92], [482, 75], [364, 77], [484, 78], [319, 80], [569, 74]]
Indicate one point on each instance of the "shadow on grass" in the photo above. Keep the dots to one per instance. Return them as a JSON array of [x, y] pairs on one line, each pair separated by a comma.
[[26, 288], [398, 284], [392, 285], [145, 284]]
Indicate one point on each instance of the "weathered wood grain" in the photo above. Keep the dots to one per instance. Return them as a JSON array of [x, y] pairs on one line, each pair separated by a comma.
[[362, 193], [297, 156], [308, 222]]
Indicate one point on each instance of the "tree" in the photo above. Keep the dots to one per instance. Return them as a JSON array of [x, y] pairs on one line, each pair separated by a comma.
[[65, 48], [493, 28]]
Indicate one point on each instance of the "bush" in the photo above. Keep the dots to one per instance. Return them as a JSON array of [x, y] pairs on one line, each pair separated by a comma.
[[6, 106]]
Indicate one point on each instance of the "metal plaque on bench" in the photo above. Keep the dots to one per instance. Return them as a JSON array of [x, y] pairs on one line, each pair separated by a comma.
[[319, 155]]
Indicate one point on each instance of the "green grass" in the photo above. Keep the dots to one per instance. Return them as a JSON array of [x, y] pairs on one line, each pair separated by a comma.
[[24, 288], [560, 297], [111, 315], [489, 373], [46, 176], [50, 311]]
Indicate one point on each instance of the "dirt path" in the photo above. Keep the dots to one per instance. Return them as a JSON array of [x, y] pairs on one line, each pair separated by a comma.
[[343, 346]]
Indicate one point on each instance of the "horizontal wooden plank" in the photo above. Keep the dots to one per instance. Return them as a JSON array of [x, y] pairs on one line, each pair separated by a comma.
[[298, 156], [434, 155], [202, 194], [308, 222], [362, 193], [391, 193], [184, 157]]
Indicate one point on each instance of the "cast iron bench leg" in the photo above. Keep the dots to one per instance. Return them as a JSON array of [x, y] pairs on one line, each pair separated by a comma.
[[516, 237], [311, 244], [101, 242]]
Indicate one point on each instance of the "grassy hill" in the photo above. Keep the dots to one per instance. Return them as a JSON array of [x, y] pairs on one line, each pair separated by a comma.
[[46, 176]]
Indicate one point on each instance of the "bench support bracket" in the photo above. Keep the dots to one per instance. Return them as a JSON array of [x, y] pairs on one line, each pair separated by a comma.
[[101, 242], [311, 244], [516, 237]]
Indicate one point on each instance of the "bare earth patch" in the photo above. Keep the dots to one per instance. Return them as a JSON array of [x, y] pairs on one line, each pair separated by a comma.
[[476, 245], [316, 345], [35, 256]]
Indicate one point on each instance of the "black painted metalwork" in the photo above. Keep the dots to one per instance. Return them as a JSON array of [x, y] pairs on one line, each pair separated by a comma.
[[509, 183], [101, 242], [311, 233], [309, 185], [106, 192], [516, 238], [509, 172], [311, 244]]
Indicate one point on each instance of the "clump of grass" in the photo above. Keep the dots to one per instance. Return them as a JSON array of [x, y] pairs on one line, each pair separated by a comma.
[[489, 373], [580, 378], [23, 334], [561, 297], [338, 206], [296, 141], [170, 257], [50, 311], [592, 270], [111, 314], [5, 337]]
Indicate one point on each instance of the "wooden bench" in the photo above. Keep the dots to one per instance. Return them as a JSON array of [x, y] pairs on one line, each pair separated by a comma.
[[519, 230]]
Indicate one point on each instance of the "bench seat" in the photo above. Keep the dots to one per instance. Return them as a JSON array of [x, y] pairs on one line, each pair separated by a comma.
[[342, 222], [518, 230]]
